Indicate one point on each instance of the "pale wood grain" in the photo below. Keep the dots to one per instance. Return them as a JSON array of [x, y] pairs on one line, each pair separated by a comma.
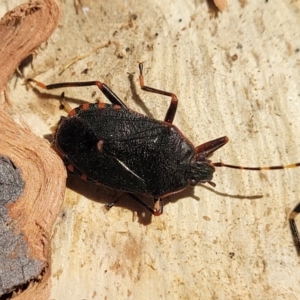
[[235, 75]]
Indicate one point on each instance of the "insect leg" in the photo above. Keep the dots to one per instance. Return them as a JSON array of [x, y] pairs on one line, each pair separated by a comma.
[[109, 94], [158, 203], [293, 227], [111, 204], [208, 148], [64, 104], [174, 101]]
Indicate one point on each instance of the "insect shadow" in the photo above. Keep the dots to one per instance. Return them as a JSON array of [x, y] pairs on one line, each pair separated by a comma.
[[104, 195]]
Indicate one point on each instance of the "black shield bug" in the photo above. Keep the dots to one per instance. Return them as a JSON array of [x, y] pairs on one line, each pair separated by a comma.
[[124, 150]]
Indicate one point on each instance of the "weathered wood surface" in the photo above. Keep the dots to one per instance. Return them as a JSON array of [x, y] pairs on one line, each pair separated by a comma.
[[236, 74]]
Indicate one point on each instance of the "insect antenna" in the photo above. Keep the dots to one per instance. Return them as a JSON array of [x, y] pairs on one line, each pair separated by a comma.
[[293, 213], [220, 164]]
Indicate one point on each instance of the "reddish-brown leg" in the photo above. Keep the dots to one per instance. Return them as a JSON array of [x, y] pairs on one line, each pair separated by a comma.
[[208, 148], [293, 227], [174, 101], [158, 205], [109, 94]]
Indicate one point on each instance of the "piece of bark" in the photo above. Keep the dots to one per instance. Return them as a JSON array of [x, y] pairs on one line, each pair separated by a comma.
[[32, 216], [27, 221], [22, 30], [11, 242]]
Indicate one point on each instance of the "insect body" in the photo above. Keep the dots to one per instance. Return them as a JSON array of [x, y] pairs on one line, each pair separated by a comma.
[[122, 149], [129, 151]]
